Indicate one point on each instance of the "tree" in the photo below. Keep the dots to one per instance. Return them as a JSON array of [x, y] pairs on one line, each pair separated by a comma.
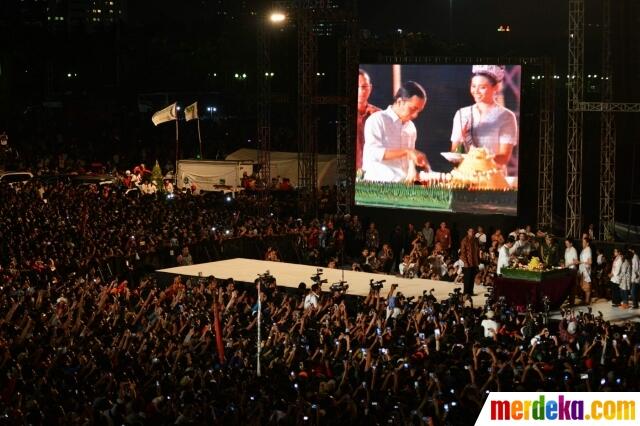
[[156, 176]]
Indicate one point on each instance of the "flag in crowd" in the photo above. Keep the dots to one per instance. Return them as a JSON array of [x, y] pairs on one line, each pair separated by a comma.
[[191, 112], [164, 115]]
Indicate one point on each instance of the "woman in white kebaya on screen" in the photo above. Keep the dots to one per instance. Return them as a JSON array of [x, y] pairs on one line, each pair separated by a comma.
[[485, 123]]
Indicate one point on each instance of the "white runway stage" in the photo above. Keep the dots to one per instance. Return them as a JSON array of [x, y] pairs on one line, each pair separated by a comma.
[[290, 275]]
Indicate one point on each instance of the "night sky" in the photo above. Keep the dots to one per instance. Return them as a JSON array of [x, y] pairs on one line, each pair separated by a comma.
[[81, 86]]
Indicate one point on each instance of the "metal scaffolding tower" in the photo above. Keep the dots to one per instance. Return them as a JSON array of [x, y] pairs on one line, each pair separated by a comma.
[[346, 118], [311, 13], [577, 106], [545, 147], [307, 136], [573, 214], [607, 135]]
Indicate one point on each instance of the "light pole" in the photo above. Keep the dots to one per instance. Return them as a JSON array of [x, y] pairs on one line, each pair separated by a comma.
[[211, 110], [450, 22], [277, 17], [274, 18]]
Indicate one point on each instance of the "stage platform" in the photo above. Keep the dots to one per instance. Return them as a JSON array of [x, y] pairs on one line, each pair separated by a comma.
[[609, 313], [291, 275]]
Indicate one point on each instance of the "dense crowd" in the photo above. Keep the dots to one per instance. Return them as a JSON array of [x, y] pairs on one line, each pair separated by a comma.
[[84, 345]]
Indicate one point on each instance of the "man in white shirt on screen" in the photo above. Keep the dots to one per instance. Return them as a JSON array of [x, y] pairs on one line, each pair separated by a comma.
[[389, 153]]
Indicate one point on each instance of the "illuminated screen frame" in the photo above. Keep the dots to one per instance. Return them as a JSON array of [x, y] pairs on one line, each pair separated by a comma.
[[480, 185]]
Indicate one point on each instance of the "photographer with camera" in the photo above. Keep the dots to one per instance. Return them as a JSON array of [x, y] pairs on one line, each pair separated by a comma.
[[408, 267], [374, 291], [338, 291]]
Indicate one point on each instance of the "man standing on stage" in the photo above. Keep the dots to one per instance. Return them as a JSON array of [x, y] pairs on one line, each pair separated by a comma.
[[504, 254], [570, 261], [570, 254], [428, 234], [443, 236], [635, 276], [469, 254]]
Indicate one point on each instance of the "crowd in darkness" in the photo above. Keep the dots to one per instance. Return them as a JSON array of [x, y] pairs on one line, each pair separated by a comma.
[[82, 344]]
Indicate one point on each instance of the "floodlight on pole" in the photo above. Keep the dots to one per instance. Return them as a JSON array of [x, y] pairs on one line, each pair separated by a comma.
[[277, 17]]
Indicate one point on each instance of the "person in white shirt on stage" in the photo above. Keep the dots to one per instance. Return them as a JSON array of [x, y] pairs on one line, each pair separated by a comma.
[[571, 261], [504, 255], [635, 277], [584, 270], [615, 276], [625, 279], [389, 153], [482, 238], [600, 259], [570, 255]]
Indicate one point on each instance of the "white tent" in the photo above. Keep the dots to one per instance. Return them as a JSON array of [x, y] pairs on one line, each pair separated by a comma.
[[285, 165]]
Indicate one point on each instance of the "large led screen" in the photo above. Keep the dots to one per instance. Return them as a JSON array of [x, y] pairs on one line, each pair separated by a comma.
[[438, 137]]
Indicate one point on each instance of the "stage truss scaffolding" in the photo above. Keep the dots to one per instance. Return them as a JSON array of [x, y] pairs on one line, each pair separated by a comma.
[[307, 137], [576, 107], [546, 147], [573, 213], [607, 135], [346, 114], [343, 18]]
